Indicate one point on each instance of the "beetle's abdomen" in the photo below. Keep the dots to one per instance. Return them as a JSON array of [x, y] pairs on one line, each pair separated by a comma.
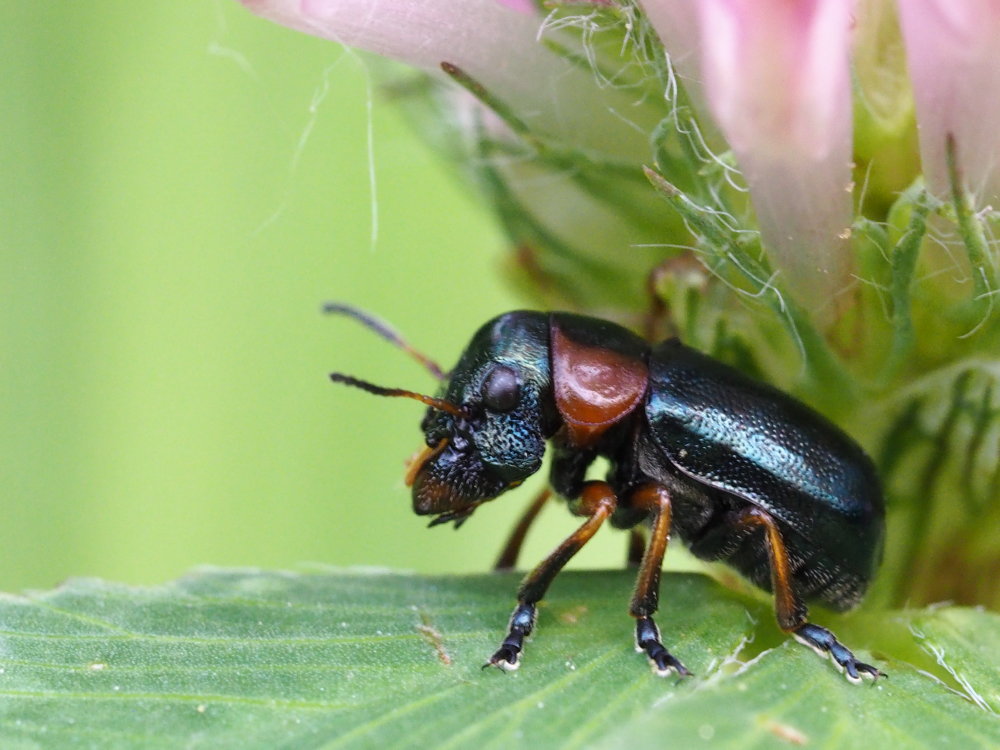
[[733, 434]]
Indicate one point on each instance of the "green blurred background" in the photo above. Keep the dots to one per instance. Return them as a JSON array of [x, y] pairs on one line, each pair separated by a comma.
[[183, 185]]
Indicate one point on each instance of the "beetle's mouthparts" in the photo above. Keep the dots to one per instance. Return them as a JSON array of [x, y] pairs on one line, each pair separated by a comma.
[[432, 494], [459, 516], [450, 483], [419, 459]]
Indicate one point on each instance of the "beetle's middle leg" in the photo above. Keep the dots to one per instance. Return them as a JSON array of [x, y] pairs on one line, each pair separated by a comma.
[[791, 611], [597, 501], [655, 499]]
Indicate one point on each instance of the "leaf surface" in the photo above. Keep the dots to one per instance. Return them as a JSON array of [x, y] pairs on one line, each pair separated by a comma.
[[351, 659]]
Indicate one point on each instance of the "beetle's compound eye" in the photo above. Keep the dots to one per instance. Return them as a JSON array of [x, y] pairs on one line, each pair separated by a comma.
[[501, 389]]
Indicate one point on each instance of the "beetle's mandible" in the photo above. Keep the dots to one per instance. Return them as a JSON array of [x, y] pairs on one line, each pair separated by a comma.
[[741, 471]]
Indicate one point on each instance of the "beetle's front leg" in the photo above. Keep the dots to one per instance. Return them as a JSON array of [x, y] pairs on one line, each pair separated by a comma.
[[655, 499], [790, 610], [597, 502]]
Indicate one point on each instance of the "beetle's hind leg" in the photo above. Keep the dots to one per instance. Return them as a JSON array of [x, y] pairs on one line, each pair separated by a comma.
[[645, 600], [790, 610], [598, 502], [636, 548], [512, 547], [824, 643]]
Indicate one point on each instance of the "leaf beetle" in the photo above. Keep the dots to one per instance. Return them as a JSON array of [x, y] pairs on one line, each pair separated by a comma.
[[742, 472]]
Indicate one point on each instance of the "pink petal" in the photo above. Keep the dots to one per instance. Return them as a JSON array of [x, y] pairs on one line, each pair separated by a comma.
[[952, 54], [776, 78], [497, 46], [522, 6]]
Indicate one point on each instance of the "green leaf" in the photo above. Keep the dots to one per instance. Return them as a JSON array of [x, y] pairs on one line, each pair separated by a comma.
[[329, 659]]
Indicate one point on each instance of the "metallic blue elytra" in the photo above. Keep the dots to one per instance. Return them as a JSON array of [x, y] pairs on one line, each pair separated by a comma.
[[741, 471], [758, 445]]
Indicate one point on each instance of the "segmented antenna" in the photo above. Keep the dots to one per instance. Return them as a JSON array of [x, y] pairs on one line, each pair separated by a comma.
[[437, 403], [387, 332]]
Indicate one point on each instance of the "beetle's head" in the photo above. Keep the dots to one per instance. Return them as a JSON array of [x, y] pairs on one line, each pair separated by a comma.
[[485, 430], [495, 438]]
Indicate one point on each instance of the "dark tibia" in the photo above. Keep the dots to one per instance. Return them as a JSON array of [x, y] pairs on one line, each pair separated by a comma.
[[636, 548], [512, 548]]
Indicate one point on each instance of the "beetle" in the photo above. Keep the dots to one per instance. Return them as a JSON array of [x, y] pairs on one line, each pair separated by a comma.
[[741, 471]]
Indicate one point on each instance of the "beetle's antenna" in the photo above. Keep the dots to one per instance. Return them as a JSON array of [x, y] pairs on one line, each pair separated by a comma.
[[437, 403], [387, 332]]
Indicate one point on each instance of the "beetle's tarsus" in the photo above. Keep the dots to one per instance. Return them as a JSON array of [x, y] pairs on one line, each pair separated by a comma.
[[664, 663], [647, 641], [522, 622], [863, 670], [507, 658], [824, 643]]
